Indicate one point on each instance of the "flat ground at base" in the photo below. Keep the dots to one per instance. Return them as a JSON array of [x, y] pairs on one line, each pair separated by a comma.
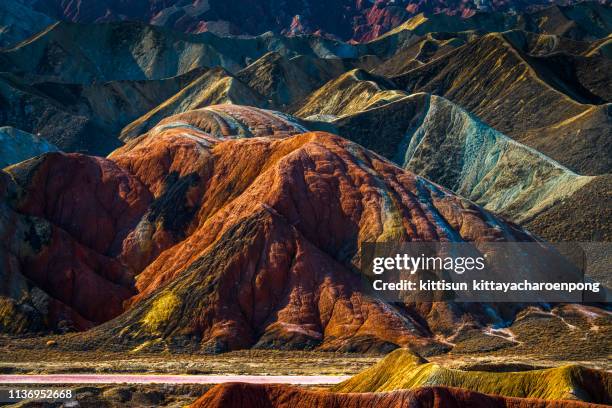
[[245, 362], [15, 360]]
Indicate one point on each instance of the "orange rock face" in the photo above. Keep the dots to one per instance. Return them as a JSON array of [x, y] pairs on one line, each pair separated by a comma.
[[266, 253], [237, 242], [282, 396], [90, 198], [69, 217]]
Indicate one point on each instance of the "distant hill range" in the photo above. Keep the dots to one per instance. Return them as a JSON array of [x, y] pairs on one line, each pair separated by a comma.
[[355, 20]]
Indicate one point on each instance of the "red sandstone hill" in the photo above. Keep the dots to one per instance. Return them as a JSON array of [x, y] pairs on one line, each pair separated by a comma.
[[234, 242], [239, 395]]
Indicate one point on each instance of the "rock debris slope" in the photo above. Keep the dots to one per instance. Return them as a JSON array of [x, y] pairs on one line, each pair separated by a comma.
[[439, 140]]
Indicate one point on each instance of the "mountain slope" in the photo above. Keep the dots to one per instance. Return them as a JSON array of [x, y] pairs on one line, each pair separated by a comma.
[[439, 140], [587, 20], [18, 22], [251, 220], [213, 87], [78, 117], [117, 51], [135, 51], [70, 271], [401, 369], [460, 152], [27, 109], [214, 226], [18, 146], [491, 79], [84, 53], [584, 21], [227, 121], [581, 142], [346, 19], [271, 81], [427, 48], [584, 216], [273, 396], [351, 92], [219, 226], [285, 81]]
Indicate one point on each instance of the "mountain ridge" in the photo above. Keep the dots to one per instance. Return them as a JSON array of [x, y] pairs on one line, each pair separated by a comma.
[[342, 19]]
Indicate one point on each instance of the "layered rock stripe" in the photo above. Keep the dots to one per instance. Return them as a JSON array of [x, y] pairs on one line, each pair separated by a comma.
[[402, 369]]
